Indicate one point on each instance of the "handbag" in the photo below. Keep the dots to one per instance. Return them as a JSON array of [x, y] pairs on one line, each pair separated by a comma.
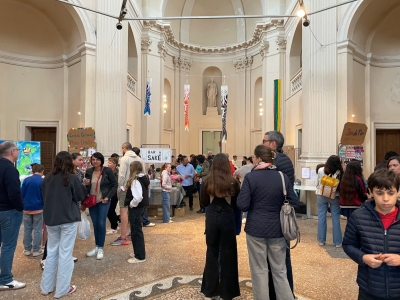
[[289, 226], [329, 184], [91, 200]]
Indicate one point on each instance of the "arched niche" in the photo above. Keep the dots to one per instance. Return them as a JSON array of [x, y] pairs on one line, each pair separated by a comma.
[[132, 54], [167, 109], [215, 74], [295, 59], [256, 104]]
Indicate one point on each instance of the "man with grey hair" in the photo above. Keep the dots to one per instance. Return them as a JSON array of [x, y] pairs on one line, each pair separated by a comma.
[[275, 140], [11, 207]]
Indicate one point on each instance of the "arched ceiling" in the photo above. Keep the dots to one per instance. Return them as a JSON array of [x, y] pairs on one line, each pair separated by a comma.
[[213, 32], [376, 28], [39, 28]]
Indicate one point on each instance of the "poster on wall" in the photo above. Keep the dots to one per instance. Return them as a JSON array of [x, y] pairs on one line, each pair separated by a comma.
[[29, 153], [156, 155], [82, 141]]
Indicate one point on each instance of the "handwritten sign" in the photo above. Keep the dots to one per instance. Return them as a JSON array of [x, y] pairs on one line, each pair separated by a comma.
[[156, 155], [81, 138], [353, 134]]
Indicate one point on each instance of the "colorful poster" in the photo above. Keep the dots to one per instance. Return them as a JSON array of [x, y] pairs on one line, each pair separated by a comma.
[[186, 97], [29, 153], [224, 108], [148, 97]]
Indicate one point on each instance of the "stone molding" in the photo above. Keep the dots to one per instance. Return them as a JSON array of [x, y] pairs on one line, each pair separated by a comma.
[[264, 49], [281, 43], [242, 63], [170, 39], [182, 63], [48, 62], [145, 44], [162, 49]]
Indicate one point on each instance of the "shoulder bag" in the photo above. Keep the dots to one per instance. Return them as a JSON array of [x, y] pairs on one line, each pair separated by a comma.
[[91, 200], [289, 226]]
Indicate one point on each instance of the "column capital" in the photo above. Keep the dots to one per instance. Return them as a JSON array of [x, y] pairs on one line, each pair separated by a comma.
[[162, 49], [145, 44], [241, 63], [281, 43], [264, 49], [182, 63]]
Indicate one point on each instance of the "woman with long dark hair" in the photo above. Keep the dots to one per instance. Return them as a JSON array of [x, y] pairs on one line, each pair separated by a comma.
[[332, 165], [352, 189], [61, 190], [219, 193], [99, 181], [262, 197]]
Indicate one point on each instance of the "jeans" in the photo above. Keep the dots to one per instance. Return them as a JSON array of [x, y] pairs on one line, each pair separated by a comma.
[[136, 219], [98, 213], [220, 276], [112, 215], [323, 203], [166, 203], [10, 222], [145, 217], [274, 250], [59, 263], [32, 222], [189, 192]]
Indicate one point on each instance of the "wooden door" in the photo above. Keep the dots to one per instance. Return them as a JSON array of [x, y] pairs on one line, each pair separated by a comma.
[[47, 136], [387, 140]]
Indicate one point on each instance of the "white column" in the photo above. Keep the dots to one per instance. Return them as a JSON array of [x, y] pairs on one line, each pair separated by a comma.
[[110, 106], [320, 83], [88, 81]]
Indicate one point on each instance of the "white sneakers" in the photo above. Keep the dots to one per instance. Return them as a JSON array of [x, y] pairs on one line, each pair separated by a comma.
[[149, 225], [38, 253], [13, 285], [135, 260], [92, 252], [100, 254]]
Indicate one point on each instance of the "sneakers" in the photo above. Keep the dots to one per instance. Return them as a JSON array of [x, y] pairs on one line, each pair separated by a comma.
[[201, 211], [170, 221], [75, 259], [149, 225], [120, 241], [37, 253], [13, 285], [244, 221], [42, 263], [321, 244], [92, 252], [338, 246], [129, 237], [72, 288], [100, 254], [27, 252], [135, 260], [112, 231]]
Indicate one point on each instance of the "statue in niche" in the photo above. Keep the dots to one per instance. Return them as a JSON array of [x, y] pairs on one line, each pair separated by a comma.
[[212, 92]]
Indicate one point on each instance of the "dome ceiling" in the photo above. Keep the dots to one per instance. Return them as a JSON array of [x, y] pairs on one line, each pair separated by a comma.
[[218, 32]]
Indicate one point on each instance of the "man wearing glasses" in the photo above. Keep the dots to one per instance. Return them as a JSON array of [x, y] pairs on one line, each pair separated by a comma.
[[11, 207], [275, 140]]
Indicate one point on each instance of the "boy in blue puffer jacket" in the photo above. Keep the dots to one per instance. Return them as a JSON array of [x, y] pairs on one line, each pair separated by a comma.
[[33, 211], [372, 240]]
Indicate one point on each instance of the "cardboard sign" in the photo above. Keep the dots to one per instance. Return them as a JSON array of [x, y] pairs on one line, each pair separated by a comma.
[[353, 134], [81, 138], [289, 151], [156, 155]]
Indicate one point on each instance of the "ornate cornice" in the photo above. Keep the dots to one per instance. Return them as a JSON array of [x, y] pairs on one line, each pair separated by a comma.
[[182, 63], [146, 43], [264, 48], [162, 49], [281, 43], [242, 63], [170, 39]]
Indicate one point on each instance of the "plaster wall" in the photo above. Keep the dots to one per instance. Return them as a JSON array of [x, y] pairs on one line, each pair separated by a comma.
[[293, 117], [357, 103], [134, 115], [75, 103]]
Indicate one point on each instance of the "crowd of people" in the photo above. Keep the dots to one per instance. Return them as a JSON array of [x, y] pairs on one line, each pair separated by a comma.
[[51, 207]]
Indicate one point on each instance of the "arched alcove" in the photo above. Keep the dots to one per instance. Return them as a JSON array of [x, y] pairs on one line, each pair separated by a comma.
[[256, 104], [212, 73], [132, 54], [296, 51], [167, 109]]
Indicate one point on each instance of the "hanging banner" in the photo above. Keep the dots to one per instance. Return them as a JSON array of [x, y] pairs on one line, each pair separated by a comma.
[[224, 108], [186, 95], [156, 155], [29, 153], [277, 104], [148, 97]]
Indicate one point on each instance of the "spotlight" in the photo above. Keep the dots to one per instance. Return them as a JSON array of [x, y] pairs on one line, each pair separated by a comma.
[[119, 25], [301, 13], [306, 22]]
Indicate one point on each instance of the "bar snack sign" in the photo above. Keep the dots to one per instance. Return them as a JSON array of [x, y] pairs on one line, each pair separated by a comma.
[[156, 155]]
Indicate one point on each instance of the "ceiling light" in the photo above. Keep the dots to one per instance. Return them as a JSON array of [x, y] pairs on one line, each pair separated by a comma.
[[353, 115], [79, 112], [301, 12]]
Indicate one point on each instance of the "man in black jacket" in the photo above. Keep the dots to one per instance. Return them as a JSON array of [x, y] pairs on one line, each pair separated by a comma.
[[275, 140], [11, 207]]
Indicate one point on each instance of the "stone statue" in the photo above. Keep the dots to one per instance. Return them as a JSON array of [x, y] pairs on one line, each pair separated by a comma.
[[212, 93]]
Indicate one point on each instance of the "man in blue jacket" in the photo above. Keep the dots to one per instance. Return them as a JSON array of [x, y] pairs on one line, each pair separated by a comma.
[[10, 213], [275, 140], [371, 239]]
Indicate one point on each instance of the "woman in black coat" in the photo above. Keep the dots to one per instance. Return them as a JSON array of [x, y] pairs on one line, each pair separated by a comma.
[[99, 181]]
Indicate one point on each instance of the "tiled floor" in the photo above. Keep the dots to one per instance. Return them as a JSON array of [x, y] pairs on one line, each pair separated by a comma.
[[178, 249]]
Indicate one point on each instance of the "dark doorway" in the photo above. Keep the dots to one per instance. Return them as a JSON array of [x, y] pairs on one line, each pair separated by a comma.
[[47, 136], [387, 140]]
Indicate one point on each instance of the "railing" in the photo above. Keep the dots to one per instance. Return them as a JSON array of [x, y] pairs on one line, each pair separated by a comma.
[[131, 84], [296, 82]]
